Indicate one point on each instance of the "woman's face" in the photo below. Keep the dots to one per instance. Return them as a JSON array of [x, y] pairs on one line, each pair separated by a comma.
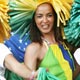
[[44, 18]]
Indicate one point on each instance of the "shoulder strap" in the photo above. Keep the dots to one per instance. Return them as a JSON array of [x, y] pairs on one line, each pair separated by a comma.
[[45, 43]]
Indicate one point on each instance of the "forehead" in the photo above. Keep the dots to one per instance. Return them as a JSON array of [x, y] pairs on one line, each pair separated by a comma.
[[44, 8]]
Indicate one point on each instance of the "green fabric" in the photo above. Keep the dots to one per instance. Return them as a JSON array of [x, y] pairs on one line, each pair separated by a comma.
[[45, 75], [12, 76], [53, 65], [42, 75]]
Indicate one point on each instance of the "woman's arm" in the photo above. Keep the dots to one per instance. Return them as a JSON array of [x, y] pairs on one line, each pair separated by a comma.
[[7, 60], [19, 68], [31, 56]]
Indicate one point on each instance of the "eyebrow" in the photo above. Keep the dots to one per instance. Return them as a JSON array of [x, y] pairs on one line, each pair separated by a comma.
[[42, 13]]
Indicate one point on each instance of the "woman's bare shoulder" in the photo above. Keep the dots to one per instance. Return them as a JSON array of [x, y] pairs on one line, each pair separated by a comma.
[[34, 45], [33, 48]]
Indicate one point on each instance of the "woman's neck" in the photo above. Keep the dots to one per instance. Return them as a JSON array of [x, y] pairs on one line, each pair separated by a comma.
[[50, 39]]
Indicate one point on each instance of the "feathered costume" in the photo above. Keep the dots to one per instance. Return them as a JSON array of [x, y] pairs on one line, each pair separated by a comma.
[[4, 19], [72, 29], [21, 12]]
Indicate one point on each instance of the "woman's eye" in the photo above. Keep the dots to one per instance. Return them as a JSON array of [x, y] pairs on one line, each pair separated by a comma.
[[50, 15], [39, 16]]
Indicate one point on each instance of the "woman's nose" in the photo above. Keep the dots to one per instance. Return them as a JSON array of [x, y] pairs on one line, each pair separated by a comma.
[[45, 19]]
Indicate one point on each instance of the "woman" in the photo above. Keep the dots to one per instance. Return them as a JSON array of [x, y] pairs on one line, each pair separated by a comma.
[[45, 35], [47, 49]]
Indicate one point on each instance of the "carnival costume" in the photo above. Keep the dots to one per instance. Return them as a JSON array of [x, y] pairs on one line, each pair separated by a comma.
[[4, 25], [55, 59], [72, 29], [20, 13]]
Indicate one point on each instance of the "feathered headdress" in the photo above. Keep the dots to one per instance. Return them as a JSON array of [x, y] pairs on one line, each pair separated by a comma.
[[21, 12], [4, 26], [72, 30]]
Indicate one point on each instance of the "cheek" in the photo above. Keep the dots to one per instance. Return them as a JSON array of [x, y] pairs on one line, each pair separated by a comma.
[[52, 22], [38, 22]]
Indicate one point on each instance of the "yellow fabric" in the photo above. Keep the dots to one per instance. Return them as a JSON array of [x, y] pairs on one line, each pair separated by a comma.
[[62, 61]]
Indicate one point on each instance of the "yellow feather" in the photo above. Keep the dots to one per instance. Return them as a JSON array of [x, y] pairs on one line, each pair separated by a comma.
[[4, 25]]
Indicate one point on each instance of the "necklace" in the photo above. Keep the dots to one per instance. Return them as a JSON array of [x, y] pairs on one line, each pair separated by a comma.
[[49, 43]]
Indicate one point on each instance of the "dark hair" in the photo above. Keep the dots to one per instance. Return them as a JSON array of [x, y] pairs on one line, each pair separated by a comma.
[[35, 34]]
